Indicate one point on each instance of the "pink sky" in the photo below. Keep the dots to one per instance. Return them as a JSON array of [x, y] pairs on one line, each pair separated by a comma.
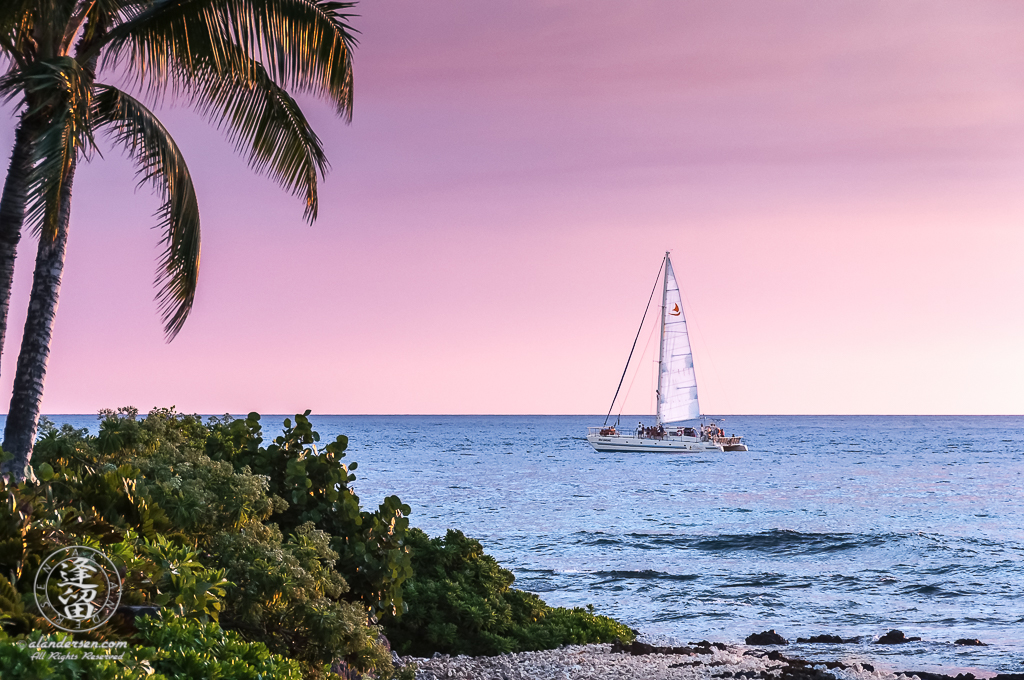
[[841, 184]]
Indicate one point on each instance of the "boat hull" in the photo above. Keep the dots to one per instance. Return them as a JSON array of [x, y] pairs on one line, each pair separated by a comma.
[[619, 443]]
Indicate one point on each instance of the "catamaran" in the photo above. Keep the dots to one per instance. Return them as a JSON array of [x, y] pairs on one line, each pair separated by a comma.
[[680, 427]]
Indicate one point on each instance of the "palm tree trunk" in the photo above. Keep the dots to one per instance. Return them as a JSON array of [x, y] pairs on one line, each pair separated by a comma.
[[27, 398], [12, 217]]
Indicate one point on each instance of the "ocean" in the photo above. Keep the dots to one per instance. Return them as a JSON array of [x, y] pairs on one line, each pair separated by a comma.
[[846, 525]]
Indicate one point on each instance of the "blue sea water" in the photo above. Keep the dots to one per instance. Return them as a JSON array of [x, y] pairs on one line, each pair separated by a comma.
[[848, 525]]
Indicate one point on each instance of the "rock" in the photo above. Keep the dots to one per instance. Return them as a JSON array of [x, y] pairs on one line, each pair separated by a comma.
[[825, 639], [768, 637], [974, 642], [709, 645], [895, 637], [642, 648], [776, 655], [790, 673], [868, 667]]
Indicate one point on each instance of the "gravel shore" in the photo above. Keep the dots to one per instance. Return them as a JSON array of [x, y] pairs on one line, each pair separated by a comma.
[[599, 662]]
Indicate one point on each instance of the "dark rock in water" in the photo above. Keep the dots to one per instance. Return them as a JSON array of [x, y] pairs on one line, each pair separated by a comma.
[[924, 675], [895, 637], [768, 637], [868, 667], [1008, 676], [705, 643], [966, 641], [825, 639]]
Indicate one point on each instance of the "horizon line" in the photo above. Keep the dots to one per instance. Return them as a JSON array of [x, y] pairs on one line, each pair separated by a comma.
[[579, 415]]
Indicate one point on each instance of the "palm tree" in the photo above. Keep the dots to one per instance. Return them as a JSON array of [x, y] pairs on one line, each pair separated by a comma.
[[231, 59]]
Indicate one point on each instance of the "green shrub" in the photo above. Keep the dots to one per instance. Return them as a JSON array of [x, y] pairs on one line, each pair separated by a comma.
[[249, 536], [166, 648], [461, 602], [258, 556], [312, 623], [180, 648], [311, 484]]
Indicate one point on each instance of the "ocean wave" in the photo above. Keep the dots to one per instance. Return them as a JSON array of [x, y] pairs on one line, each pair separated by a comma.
[[775, 541], [643, 574]]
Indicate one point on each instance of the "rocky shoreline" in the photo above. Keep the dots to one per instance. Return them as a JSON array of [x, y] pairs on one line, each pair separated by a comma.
[[638, 661]]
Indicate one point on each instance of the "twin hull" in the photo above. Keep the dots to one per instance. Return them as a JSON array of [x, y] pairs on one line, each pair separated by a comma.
[[675, 444]]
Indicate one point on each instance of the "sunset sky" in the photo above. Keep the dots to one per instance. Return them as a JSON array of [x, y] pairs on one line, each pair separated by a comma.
[[841, 185]]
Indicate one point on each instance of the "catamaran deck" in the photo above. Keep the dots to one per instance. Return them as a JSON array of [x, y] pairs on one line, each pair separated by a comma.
[[607, 440]]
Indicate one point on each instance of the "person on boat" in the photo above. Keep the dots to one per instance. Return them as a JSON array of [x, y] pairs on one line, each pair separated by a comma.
[[639, 429]]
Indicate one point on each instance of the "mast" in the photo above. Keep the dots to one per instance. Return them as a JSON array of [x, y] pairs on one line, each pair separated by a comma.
[[661, 337]]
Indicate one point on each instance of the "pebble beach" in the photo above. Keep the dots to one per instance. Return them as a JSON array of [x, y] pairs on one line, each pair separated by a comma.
[[601, 662]]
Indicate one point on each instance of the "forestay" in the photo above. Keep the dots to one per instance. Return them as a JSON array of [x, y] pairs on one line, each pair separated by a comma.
[[677, 382]]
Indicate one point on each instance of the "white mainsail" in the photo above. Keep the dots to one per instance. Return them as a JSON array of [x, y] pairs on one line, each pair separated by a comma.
[[677, 381]]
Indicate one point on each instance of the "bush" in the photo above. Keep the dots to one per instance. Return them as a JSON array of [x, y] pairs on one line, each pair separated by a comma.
[[259, 557], [461, 602], [210, 525], [311, 484], [163, 649]]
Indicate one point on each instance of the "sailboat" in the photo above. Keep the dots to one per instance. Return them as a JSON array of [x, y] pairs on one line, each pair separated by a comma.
[[680, 427]]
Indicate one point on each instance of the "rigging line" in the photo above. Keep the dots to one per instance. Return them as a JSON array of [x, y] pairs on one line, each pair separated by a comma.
[[622, 404], [711, 359], [609, 415]]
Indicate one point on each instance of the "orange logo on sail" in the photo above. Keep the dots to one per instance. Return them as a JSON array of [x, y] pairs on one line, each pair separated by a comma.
[[675, 310]]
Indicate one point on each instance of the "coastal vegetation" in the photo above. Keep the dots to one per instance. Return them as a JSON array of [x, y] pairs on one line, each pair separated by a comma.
[[252, 548], [461, 601], [233, 61]]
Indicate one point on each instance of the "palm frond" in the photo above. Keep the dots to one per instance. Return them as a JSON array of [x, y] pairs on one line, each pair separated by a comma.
[[161, 165], [13, 13], [305, 45], [17, 18], [264, 122], [59, 95], [75, 21]]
